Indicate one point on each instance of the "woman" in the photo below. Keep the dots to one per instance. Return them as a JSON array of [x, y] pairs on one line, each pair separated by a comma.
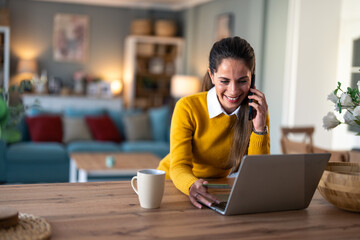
[[211, 130]]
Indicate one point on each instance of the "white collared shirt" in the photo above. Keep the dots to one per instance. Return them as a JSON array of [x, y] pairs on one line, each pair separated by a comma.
[[214, 106]]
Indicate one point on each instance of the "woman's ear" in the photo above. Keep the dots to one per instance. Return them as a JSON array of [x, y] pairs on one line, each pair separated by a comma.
[[211, 76]]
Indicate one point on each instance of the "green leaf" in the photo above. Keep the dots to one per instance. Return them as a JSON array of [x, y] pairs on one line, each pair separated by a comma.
[[339, 84], [336, 90], [11, 135]]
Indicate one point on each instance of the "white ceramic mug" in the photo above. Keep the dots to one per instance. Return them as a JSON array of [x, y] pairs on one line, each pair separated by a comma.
[[150, 187]]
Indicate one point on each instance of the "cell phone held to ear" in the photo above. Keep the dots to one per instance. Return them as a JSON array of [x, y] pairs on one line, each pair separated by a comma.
[[251, 109]]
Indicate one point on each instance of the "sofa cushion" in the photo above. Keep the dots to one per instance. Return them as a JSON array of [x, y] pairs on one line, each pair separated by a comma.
[[118, 116], [159, 120], [93, 146], [32, 152], [76, 113], [103, 129], [137, 127], [75, 129], [45, 128], [160, 149]]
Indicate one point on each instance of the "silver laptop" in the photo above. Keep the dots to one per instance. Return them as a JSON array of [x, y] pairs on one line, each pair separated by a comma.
[[269, 183]]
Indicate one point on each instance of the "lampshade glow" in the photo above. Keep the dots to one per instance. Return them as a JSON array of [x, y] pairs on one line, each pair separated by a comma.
[[116, 87], [27, 66], [183, 85]]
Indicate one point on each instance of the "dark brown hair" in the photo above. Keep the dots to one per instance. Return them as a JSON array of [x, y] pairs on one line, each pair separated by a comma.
[[238, 49]]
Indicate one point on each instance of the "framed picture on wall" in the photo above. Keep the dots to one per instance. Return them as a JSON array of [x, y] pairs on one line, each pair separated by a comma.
[[224, 26], [70, 37]]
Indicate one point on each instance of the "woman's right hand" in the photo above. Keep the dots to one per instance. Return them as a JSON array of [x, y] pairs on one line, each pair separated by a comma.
[[197, 192]]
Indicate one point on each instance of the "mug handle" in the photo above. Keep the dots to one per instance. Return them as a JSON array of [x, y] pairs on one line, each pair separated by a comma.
[[132, 184]]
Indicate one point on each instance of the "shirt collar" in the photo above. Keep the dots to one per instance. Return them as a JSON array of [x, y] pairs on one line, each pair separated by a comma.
[[214, 106]]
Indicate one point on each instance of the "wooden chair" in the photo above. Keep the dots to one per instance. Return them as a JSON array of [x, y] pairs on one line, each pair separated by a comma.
[[289, 146]]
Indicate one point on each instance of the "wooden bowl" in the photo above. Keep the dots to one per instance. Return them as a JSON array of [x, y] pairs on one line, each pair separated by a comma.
[[340, 185]]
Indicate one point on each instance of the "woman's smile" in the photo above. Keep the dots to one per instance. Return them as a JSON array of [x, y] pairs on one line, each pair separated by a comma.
[[232, 83]]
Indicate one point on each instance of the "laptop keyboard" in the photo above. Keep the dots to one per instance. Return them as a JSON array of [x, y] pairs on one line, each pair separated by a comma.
[[221, 205]]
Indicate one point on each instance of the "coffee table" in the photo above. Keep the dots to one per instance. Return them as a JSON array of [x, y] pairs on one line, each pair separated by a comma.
[[85, 165]]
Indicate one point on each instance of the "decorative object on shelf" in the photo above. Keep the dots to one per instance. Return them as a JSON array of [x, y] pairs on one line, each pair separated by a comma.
[[39, 83], [105, 89], [340, 185], [145, 49], [141, 27], [165, 28], [224, 26], [348, 102], [70, 38], [184, 85], [79, 78], [156, 65], [54, 85]]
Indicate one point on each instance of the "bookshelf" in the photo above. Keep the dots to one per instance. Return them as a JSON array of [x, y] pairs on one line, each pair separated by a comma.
[[150, 62]]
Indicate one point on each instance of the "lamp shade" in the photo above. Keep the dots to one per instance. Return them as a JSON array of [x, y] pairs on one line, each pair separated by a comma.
[[27, 66], [183, 85]]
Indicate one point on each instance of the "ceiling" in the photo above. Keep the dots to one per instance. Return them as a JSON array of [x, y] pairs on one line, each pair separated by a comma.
[[173, 5]]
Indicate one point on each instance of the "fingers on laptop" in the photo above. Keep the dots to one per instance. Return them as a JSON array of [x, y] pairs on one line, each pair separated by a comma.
[[198, 193]]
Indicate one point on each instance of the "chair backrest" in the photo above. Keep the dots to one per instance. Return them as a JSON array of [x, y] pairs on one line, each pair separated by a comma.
[[291, 146]]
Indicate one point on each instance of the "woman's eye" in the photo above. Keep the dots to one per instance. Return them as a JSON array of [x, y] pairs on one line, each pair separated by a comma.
[[224, 82]]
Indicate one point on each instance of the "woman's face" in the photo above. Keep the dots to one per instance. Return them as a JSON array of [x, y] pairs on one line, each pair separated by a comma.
[[232, 83]]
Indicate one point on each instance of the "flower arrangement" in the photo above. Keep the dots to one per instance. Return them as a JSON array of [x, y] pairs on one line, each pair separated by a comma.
[[347, 101]]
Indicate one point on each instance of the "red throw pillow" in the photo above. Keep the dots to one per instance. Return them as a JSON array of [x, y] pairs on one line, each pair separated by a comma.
[[103, 128], [45, 128]]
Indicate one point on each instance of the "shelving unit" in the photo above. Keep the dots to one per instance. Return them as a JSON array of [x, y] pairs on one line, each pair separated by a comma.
[[149, 64], [4, 57]]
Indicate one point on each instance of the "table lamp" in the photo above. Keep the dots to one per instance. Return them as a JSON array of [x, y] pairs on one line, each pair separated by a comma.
[[27, 66], [184, 85]]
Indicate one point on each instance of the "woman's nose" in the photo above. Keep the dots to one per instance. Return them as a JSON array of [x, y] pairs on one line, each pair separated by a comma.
[[232, 87]]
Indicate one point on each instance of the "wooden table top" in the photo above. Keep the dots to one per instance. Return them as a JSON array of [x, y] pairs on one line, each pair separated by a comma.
[[96, 161], [110, 210]]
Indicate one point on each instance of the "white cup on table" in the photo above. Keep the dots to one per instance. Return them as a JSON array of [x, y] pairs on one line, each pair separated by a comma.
[[149, 187]]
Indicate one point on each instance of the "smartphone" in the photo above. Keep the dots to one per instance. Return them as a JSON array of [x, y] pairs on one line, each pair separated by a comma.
[[251, 110], [212, 185]]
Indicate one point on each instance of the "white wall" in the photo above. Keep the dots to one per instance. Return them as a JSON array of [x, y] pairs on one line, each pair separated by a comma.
[[349, 30], [274, 61], [311, 64], [200, 26]]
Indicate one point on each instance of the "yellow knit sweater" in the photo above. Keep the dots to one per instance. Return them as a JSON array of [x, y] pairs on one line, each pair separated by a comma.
[[199, 146]]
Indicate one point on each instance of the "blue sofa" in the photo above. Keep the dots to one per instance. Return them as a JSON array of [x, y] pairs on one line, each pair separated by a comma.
[[47, 162]]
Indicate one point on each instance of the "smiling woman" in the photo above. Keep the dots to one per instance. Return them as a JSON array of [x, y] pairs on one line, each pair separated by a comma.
[[232, 83], [210, 131]]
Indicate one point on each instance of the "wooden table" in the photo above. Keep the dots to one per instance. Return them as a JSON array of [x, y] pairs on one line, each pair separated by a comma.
[[93, 164], [110, 210]]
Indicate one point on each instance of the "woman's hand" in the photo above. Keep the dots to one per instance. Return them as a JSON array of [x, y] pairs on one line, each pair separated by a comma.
[[198, 192], [260, 105]]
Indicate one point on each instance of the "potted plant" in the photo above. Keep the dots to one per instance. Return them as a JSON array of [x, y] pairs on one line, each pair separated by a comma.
[[346, 103], [9, 119]]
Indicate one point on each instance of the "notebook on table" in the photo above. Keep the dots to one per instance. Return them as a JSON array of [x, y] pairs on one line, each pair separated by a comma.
[[269, 183]]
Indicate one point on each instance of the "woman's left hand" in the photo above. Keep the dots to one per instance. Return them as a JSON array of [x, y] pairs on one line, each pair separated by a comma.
[[260, 105]]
